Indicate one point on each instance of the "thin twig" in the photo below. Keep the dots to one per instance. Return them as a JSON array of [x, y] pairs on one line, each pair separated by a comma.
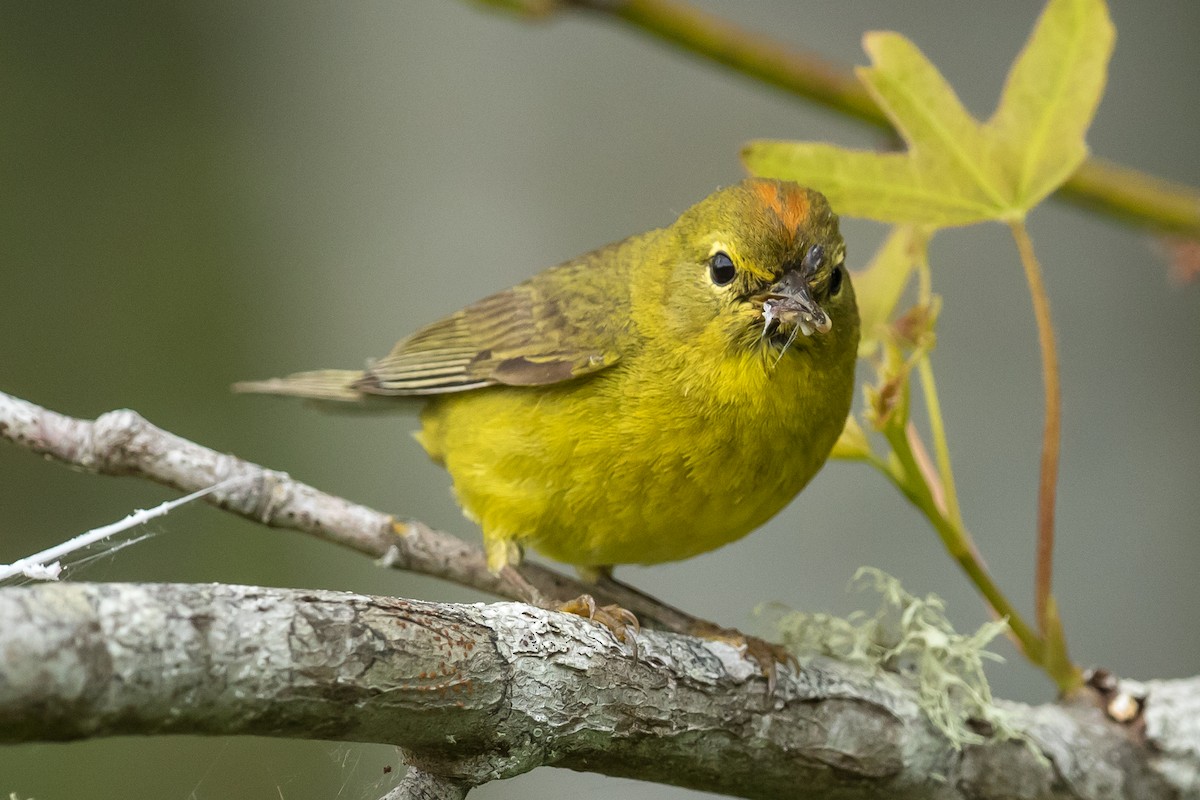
[[124, 443], [1121, 192], [45, 565], [756, 56]]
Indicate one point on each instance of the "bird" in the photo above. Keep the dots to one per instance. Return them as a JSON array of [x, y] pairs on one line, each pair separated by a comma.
[[643, 403]]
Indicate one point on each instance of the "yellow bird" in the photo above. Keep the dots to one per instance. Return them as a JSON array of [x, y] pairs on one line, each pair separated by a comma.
[[645, 402]]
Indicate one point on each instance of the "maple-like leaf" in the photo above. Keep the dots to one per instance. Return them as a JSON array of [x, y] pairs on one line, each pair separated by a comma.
[[957, 170]]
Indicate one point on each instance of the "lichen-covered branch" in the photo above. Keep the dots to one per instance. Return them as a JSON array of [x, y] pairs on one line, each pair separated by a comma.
[[480, 692]]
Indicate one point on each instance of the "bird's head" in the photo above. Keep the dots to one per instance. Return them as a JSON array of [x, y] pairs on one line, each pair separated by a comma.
[[760, 264]]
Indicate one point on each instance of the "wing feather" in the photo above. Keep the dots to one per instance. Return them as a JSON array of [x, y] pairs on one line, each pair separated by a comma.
[[563, 323], [568, 321]]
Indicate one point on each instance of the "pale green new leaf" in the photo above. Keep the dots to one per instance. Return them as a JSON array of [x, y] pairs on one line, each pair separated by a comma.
[[890, 187], [879, 286], [958, 171], [944, 141], [1051, 96]]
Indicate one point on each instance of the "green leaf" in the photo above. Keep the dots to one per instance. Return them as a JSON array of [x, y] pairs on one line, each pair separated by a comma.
[[879, 286], [890, 187], [1051, 96], [945, 141], [958, 171]]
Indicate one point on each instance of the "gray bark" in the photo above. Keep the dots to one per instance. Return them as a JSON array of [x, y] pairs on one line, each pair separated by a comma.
[[420, 785], [480, 692]]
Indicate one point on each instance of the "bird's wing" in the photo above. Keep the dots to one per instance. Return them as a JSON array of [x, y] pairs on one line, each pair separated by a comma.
[[565, 322]]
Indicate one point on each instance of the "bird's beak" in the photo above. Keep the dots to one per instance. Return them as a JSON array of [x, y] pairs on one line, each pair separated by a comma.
[[790, 303]]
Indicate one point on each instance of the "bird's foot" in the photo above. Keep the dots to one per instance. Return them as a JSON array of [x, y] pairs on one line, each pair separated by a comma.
[[767, 655], [623, 624]]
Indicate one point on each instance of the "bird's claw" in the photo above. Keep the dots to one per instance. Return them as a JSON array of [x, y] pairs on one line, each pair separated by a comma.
[[623, 624]]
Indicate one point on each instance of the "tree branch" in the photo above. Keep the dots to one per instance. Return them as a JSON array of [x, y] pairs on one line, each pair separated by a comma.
[[123, 443], [420, 785], [481, 692]]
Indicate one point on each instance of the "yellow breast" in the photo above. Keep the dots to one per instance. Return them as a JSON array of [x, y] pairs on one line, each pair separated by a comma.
[[638, 465]]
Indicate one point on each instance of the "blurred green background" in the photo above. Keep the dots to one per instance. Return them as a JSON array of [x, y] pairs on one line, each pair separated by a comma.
[[197, 193]]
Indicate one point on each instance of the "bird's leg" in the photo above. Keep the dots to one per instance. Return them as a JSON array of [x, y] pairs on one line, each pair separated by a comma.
[[501, 551]]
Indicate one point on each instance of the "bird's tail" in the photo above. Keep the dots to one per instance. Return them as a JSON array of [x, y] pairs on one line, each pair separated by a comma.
[[336, 388]]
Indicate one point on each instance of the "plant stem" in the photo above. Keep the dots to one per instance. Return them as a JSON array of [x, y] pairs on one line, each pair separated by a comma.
[[941, 447], [929, 473], [957, 541], [1051, 430], [1109, 188]]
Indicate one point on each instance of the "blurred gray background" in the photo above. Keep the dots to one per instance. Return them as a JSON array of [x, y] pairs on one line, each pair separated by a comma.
[[197, 193]]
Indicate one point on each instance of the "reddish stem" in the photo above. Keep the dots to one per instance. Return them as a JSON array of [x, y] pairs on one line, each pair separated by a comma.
[[1051, 430]]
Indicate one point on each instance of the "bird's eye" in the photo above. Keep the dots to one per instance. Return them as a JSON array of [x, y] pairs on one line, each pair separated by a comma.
[[721, 269], [835, 281]]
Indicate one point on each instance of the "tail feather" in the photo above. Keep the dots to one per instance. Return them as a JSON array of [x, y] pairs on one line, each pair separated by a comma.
[[327, 384]]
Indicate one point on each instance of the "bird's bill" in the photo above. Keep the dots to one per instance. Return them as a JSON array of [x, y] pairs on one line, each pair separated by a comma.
[[790, 304]]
